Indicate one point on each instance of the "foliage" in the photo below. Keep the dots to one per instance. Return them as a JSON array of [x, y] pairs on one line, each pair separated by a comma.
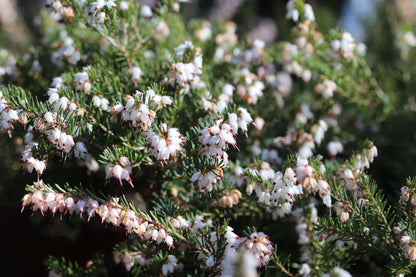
[[231, 144]]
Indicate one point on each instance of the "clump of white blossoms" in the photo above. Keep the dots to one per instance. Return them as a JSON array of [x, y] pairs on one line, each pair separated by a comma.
[[100, 102], [326, 88], [121, 170], [240, 119], [67, 51], [215, 140], [283, 194], [7, 114], [166, 144], [81, 80], [187, 74], [225, 43], [130, 259], [207, 180], [171, 265], [225, 98], [250, 89], [140, 109], [362, 160]]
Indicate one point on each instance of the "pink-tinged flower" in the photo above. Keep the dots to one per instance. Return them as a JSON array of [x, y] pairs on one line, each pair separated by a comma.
[[91, 205], [38, 201], [69, 203], [103, 212], [80, 207], [26, 200]]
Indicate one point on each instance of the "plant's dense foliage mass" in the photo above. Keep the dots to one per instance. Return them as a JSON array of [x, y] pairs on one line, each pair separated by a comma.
[[248, 158]]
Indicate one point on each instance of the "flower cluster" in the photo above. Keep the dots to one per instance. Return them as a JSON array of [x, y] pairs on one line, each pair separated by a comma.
[[130, 259], [251, 55], [293, 14], [279, 197], [7, 114], [405, 41], [31, 162], [362, 160], [341, 212], [135, 72], [81, 79], [335, 147], [284, 191], [291, 65], [230, 198], [121, 170], [66, 51], [44, 198], [58, 102], [225, 98], [100, 4], [250, 88], [100, 102], [51, 126], [409, 247], [204, 32], [216, 140], [326, 88], [171, 266], [265, 172], [8, 64], [207, 180], [157, 101], [346, 47], [240, 119], [225, 43], [140, 109], [303, 223], [257, 247], [311, 181], [187, 74], [318, 131], [408, 198], [58, 10], [349, 179], [166, 144]]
